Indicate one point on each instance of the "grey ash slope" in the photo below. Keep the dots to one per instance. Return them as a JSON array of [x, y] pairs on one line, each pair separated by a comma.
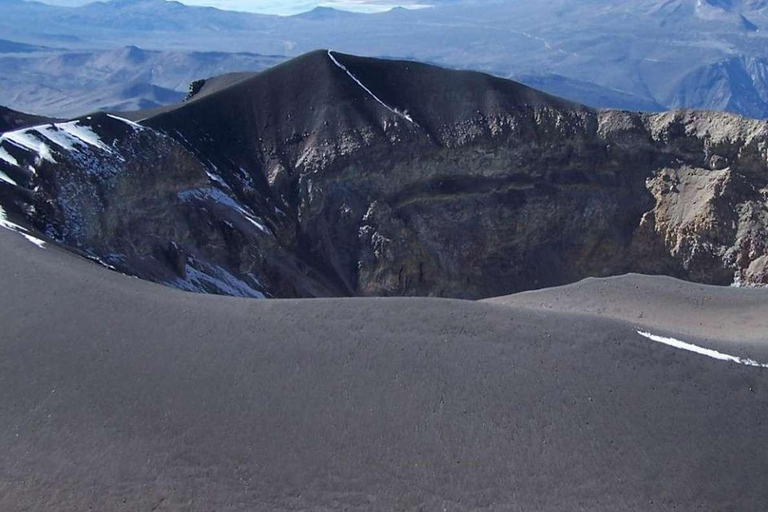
[[688, 309], [121, 394], [339, 175]]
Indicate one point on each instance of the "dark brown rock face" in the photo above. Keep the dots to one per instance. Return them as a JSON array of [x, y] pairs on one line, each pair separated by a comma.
[[337, 175]]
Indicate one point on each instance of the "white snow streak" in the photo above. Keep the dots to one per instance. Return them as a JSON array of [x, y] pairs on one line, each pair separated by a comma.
[[84, 134], [253, 221], [8, 158], [219, 279], [135, 126], [341, 66], [25, 140], [216, 178], [34, 240], [220, 197], [67, 136], [57, 136], [5, 156], [714, 354], [4, 177], [5, 223]]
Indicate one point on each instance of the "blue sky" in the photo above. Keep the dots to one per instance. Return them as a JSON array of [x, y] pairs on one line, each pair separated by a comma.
[[296, 6], [286, 6]]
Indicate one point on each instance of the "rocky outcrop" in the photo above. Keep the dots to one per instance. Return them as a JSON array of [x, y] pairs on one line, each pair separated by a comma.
[[711, 217], [194, 88], [337, 175]]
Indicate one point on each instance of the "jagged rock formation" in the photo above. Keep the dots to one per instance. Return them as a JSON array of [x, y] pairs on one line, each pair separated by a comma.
[[194, 88], [339, 175]]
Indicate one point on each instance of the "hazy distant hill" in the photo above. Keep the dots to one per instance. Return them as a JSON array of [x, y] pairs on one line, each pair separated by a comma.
[[738, 84], [69, 83], [327, 13], [625, 54]]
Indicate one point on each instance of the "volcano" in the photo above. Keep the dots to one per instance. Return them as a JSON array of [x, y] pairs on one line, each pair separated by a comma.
[[335, 175]]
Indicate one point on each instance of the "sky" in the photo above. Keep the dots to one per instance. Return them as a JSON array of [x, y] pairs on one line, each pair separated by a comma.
[[297, 6], [286, 7]]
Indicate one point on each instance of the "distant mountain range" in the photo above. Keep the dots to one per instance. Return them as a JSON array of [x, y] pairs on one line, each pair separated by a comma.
[[639, 54], [69, 83]]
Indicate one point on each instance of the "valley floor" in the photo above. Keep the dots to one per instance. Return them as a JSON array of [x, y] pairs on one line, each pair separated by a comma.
[[119, 394]]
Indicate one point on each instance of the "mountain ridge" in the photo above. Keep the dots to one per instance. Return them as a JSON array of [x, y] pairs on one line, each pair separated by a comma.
[[340, 175], [82, 81], [613, 46]]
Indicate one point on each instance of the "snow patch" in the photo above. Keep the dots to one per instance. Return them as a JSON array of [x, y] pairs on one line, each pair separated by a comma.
[[58, 137], [4, 177], [83, 134], [216, 178], [221, 198], [395, 111], [25, 140], [136, 126], [714, 354], [6, 224], [69, 136], [223, 281], [8, 158], [34, 240], [253, 221]]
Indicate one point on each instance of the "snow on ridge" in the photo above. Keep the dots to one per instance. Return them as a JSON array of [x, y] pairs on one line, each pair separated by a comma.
[[25, 140], [68, 136], [58, 137], [8, 158], [83, 134], [136, 126], [5, 223], [395, 111], [714, 354], [4, 177]]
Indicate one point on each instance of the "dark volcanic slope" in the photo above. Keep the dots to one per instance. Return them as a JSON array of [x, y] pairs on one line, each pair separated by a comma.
[[338, 175], [118, 394], [12, 120], [197, 90]]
